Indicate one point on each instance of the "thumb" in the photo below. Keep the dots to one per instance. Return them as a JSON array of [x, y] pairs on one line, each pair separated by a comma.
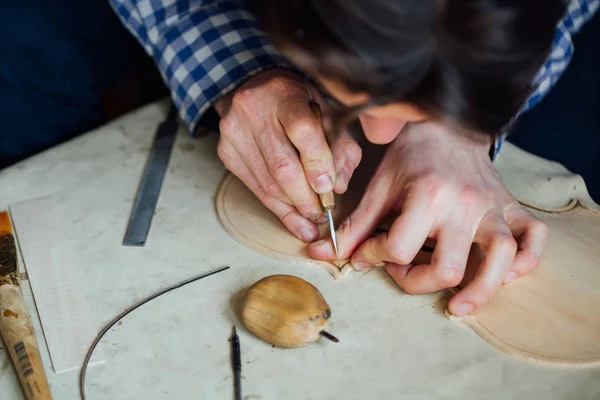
[[356, 228]]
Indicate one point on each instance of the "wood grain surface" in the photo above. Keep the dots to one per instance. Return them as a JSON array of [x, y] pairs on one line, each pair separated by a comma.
[[551, 315]]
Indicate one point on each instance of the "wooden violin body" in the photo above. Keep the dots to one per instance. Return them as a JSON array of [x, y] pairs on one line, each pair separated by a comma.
[[551, 315]]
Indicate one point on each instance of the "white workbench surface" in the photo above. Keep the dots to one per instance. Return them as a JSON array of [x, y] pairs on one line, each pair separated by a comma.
[[392, 345]]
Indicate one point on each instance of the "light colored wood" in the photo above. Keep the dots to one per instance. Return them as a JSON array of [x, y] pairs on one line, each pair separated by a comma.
[[16, 327], [551, 315], [67, 323], [328, 201], [249, 222], [286, 311], [395, 346], [19, 337]]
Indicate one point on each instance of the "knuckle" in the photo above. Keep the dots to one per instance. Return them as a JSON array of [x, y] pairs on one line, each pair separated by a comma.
[[281, 84], [399, 254], [307, 209], [269, 186], [484, 291], [286, 217], [504, 243], [227, 126], [244, 95], [224, 153], [432, 184], [304, 131], [353, 153], [261, 194], [448, 275], [315, 167], [539, 227], [283, 170], [471, 194]]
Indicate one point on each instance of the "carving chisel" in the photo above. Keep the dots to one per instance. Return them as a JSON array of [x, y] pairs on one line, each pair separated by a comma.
[[328, 199], [15, 322], [236, 361]]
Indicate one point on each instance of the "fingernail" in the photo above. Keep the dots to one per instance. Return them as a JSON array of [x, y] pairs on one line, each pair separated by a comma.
[[319, 243], [307, 235], [324, 184], [359, 265], [510, 276], [343, 175], [318, 219], [463, 309]]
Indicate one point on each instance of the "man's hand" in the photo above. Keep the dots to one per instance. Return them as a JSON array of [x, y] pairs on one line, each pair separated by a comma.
[[271, 140], [444, 187]]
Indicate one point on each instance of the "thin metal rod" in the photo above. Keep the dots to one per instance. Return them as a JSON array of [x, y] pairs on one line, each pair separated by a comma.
[[236, 361], [130, 309], [329, 336], [333, 237]]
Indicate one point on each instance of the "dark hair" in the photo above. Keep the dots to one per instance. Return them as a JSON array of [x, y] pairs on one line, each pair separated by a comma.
[[473, 61]]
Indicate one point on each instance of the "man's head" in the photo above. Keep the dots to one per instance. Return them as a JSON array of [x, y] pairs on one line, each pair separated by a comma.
[[471, 62]]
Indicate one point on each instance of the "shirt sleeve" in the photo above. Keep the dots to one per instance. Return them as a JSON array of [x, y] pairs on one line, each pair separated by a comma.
[[578, 13], [203, 48]]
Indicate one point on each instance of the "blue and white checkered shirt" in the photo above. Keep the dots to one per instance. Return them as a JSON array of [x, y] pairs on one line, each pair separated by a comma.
[[206, 48]]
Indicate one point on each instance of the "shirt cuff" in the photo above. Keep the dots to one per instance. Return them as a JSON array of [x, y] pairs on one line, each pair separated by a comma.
[[497, 146], [206, 117], [202, 62]]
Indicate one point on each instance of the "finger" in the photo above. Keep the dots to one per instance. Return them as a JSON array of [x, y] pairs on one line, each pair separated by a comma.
[[500, 248], [406, 236], [361, 223], [448, 262], [398, 272], [299, 226], [531, 234], [347, 154], [302, 122], [284, 166], [244, 148]]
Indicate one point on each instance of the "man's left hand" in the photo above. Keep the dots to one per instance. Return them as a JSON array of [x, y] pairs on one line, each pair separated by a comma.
[[444, 187]]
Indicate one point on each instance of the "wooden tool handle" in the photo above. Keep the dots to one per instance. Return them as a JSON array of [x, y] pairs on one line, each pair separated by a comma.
[[17, 330], [328, 199]]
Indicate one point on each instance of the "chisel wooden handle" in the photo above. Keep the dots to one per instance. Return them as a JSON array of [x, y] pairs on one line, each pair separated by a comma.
[[328, 199], [19, 337]]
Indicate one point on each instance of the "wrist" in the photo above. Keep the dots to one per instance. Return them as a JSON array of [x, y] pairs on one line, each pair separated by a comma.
[[448, 136], [481, 142], [223, 104]]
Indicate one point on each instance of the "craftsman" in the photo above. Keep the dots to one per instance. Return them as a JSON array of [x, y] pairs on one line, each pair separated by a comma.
[[439, 82]]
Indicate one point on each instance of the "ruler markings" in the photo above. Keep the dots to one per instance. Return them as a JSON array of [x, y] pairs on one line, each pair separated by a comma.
[[67, 322]]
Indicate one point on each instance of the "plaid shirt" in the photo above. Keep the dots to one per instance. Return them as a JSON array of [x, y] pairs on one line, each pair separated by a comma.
[[206, 48]]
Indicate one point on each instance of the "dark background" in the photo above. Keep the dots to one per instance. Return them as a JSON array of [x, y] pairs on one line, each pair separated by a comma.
[[565, 126], [66, 66]]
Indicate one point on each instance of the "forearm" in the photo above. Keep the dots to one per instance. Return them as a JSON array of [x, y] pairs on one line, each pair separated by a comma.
[[203, 49]]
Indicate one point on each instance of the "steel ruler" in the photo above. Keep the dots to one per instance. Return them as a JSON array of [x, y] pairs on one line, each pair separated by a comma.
[[152, 180]]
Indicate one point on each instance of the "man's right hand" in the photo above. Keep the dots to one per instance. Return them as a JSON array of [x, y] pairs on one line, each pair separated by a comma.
[[271, 140]]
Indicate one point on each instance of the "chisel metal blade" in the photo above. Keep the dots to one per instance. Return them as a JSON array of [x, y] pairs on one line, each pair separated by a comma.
[[333, 236]]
